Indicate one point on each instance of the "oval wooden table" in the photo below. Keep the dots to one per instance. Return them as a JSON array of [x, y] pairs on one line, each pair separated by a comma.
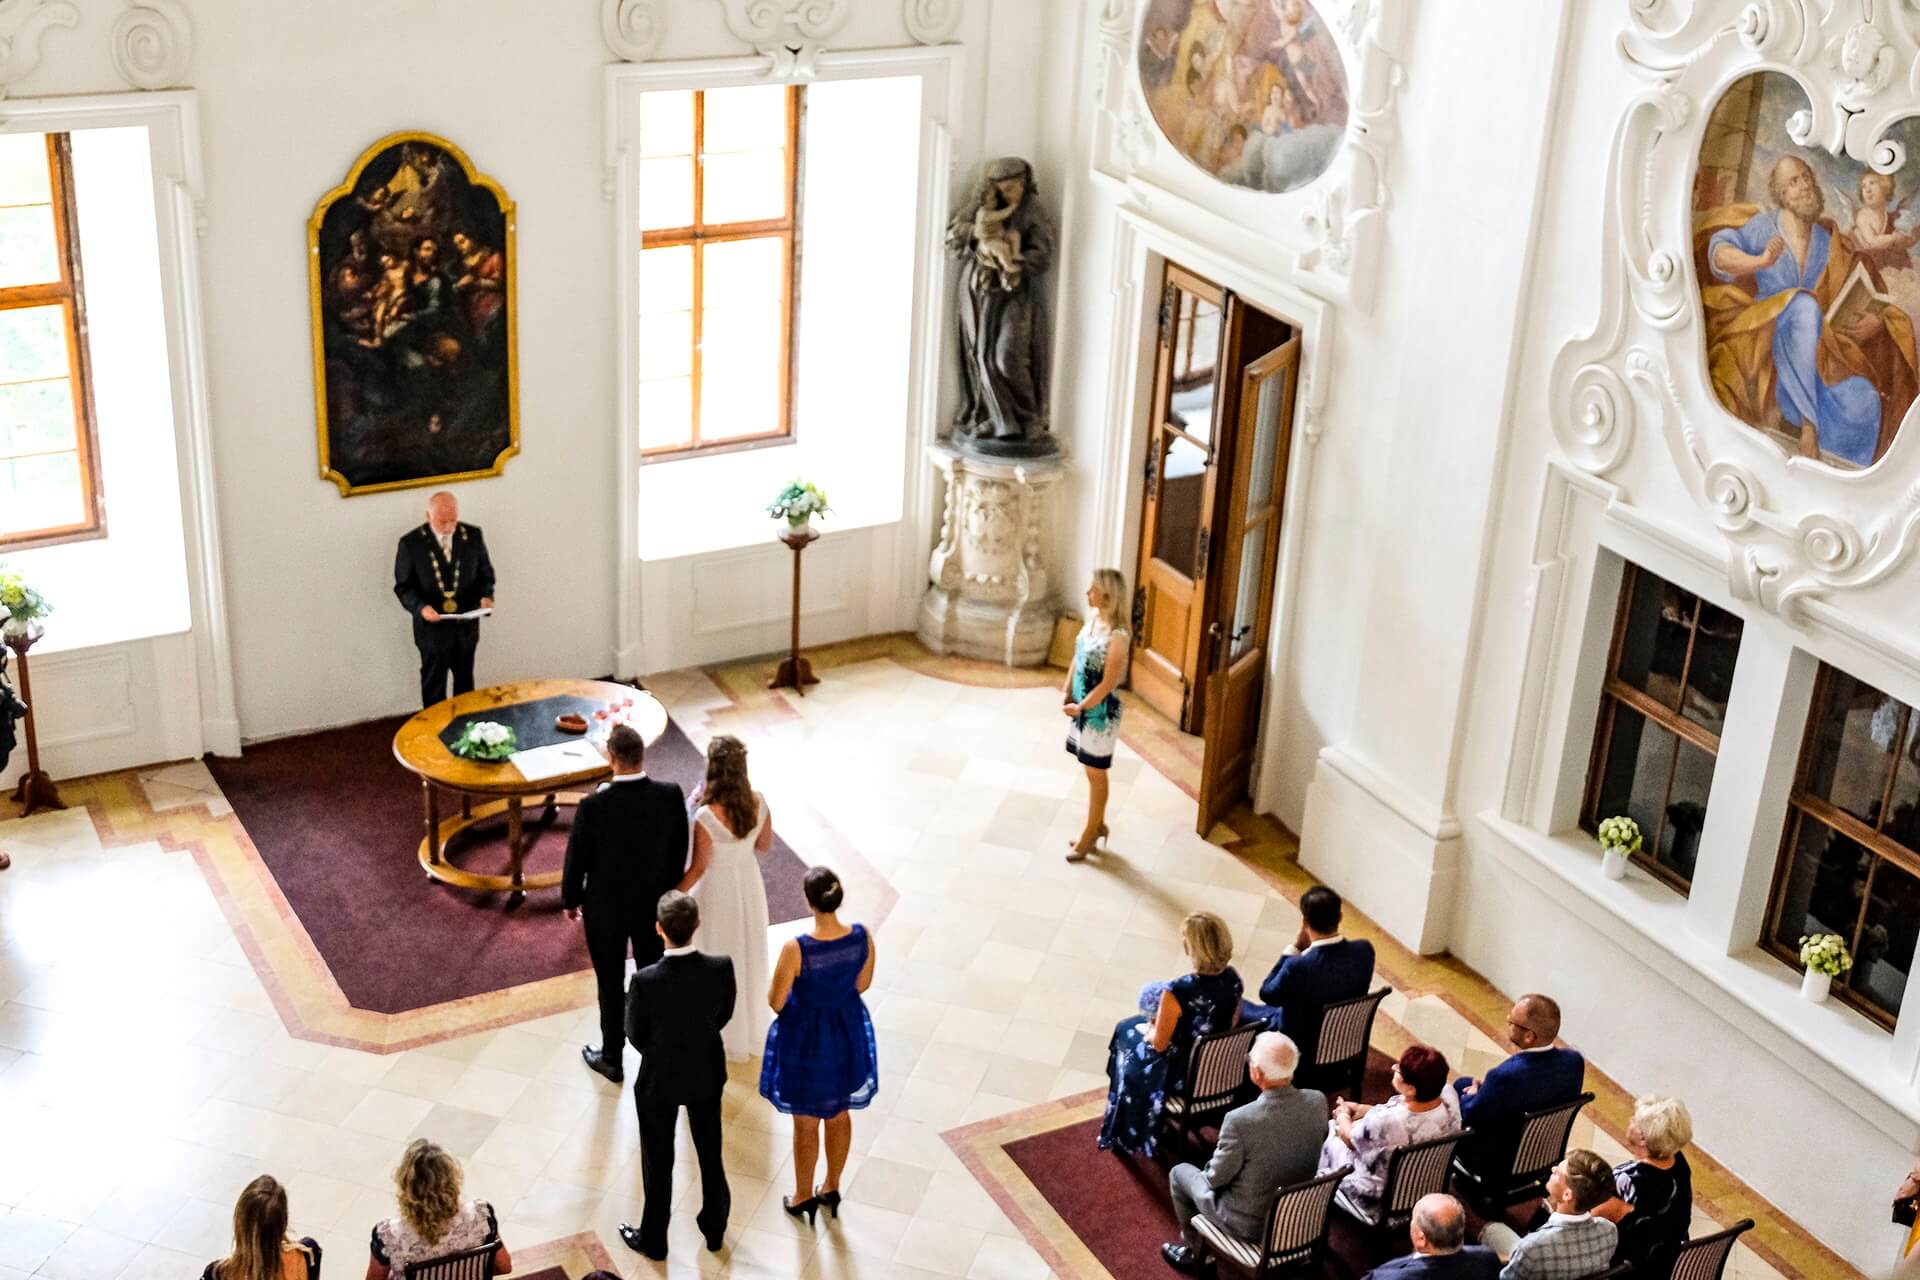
[[500, 786]]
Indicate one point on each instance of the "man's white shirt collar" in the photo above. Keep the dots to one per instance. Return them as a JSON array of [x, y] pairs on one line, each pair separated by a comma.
[[627, 777], [687, 950]]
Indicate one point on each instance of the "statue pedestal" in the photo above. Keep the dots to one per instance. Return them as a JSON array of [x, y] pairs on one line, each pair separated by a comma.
[[991, 595]]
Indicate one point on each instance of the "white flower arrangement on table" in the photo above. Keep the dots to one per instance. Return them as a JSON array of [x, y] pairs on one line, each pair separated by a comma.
[[1621, 835], [485, 740], [798, 502], [1825, 953], [21, 605]]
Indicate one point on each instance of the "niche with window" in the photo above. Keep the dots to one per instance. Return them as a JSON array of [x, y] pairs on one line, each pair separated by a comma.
[[1850, 862], [1661, 712]]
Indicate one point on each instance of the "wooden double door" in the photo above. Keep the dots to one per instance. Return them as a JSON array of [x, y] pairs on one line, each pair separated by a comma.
[[1215, 477]]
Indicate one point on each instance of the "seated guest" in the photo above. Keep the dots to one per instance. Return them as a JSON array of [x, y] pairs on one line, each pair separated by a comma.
[[261, 1250], [433, 1221], [1147, 1060], [1652, 1204], [1423, 1106], [1267, 1144], [1539, 1074], [1573, 1244], [1440, 1248], [1319, 969]]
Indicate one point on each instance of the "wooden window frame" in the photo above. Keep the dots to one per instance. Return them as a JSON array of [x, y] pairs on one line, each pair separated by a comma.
[[70, 293], [697, 235], [1803, 806], [1616, 693]]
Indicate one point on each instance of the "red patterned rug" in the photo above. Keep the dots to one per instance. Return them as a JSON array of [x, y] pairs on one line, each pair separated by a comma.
[[337, 820]]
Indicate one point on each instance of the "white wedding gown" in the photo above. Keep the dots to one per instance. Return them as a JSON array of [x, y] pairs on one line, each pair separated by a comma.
[[733, 922]]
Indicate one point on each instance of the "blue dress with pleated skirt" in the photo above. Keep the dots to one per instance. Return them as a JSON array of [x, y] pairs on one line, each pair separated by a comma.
[[820, 1058]]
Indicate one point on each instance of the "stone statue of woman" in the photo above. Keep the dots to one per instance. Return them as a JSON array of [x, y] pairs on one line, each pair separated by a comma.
[[1005, 245]]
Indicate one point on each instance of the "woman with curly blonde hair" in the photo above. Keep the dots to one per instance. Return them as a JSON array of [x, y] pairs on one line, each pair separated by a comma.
[[730, 828], [434, 1221]]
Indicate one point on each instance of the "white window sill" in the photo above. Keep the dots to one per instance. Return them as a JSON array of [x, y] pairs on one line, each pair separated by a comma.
[[1837, 1049]]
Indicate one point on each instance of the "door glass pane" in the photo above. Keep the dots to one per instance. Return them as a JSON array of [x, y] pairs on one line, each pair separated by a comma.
[[1196, 350], [1716, 643], [1686, 811], [29, 250], [1884, 953], [1903, 815], [1851, 755], [1267, 427], [1634, 782], [33, 343], [1653, 649], [666, 193], [1183, 485], [36, 417], [1825, 880], [41, 492], [24, 178], [1246, 592]]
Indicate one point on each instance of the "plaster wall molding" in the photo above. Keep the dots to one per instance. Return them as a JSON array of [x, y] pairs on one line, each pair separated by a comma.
[[152, 43], [23, 25], [932, 21], [791, 34], [632, 29]]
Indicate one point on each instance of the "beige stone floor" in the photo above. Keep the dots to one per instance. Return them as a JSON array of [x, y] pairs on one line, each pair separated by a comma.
[[145, 1077]]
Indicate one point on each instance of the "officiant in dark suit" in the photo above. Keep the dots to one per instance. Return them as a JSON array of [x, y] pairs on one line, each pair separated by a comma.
[[442, 568], [674, 1014], [627, 848]]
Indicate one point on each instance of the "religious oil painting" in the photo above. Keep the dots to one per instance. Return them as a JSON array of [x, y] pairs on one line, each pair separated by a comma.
[[1252, 91], [1808, 284], [411, 271]]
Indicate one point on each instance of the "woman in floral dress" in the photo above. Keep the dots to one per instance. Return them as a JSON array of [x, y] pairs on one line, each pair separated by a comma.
[[1092, 703]]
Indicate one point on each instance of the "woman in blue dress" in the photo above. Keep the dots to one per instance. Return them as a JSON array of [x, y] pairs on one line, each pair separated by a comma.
[[820, 1061], [1147, 1058], [1092, 701]]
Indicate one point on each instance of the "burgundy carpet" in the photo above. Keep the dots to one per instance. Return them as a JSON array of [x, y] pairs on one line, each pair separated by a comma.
[[338, 822], [1119, 1208]]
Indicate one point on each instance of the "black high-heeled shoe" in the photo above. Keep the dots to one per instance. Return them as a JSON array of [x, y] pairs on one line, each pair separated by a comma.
[[830, 1201], [805, 1209]]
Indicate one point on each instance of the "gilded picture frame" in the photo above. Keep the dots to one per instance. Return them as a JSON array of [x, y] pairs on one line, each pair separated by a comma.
[[411, 279]]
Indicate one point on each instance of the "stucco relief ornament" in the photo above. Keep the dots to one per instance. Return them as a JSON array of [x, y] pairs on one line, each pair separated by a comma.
[[932, 21], [23, 25], [153, 43], [632, 29], [1867, 59], [791, 34]]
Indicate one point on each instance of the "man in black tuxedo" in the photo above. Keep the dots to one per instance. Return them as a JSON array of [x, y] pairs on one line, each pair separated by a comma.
[[674, 1014], [442, 568], [628, 846]]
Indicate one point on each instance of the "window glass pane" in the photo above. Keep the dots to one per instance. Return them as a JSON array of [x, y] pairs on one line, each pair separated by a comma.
[[666, 123], [1853, 745], [24, 176], [666, 413], [1903, 815], [36, 417], [746, 119], [1634, 778], [666, 279], [1686, 812], [1716, 643], [743, 273], [41, 492], [33, 343], [1884, 953], [1826, 876], [1183, 484], [739, 398], [666, 194], [748, 186], [1654, 646], [666, 345], [29, 249], [740, 339]]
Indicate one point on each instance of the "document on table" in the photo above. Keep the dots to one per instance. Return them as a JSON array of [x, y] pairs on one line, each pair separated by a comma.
[[562, 757]]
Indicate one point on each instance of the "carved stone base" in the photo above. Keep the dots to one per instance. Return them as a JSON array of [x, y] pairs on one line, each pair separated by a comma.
[[991, 595]]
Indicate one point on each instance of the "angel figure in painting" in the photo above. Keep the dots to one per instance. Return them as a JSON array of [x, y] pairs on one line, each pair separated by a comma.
[[1876, 233], [1004, 245]]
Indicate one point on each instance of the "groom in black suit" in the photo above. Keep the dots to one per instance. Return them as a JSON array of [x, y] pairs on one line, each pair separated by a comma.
[[628, 846], [674, 1014]]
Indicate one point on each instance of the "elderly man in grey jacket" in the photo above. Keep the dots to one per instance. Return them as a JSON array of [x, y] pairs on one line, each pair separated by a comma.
[[1269, 1143]]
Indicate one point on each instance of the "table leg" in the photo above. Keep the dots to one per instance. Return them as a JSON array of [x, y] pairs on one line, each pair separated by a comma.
[[516, 852], [432, 799], [466, 805]]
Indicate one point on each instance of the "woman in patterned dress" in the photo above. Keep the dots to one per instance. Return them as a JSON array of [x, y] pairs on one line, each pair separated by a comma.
[[1146, 1060], [1099, 665], [434, 1220], [1423, 1106]]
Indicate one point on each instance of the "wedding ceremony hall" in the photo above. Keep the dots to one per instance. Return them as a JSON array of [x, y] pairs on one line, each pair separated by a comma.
[[987, 639]]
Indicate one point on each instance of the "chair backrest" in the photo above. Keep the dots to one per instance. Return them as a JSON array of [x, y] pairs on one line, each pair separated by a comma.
[[469, 1264], [1218, 1069], [1415, 1170], [1706, 1258], [1297, 1219], [1346, 1028], [1543, 1139]]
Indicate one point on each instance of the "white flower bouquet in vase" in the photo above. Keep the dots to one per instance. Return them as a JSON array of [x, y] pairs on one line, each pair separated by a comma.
[[21, 608], [485, 740], [1619, 840], [799, 503], [1825, 956]]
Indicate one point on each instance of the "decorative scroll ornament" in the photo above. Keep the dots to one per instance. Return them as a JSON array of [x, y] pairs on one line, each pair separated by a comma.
[[23, 24], [791, 34], [1796, 529], [632, 29], [152, 44], [932, 21]]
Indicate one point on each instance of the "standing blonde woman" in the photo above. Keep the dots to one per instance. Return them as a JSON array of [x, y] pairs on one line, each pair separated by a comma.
[[434, 1220], [731, 833], [261, 1250], [1092, 701]]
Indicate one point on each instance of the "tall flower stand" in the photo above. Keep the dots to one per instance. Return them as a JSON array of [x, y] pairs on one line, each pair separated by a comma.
[[795, 672], [35, 790]]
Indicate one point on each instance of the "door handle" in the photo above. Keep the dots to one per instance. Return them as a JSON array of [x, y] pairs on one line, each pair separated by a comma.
[[1218, 639]]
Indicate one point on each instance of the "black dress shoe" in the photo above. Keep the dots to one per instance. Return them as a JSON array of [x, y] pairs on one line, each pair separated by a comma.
[[716, 1241], [600, 1064], [1185, 1258], [630, 1236]]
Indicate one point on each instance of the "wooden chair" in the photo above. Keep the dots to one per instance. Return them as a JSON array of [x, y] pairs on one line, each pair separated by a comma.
[[1217, 1079], [1295, 1233], [1415, 1170], [1541, 1144], [469, 1264], [1338, 1063], [1705, 1258]]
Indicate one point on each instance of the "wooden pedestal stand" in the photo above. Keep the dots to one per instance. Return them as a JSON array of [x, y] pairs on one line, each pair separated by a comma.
[[795, 672], [35, 789]]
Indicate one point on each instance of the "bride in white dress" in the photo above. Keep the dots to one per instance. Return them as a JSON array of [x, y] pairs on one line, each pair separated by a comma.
[[731, 831]]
